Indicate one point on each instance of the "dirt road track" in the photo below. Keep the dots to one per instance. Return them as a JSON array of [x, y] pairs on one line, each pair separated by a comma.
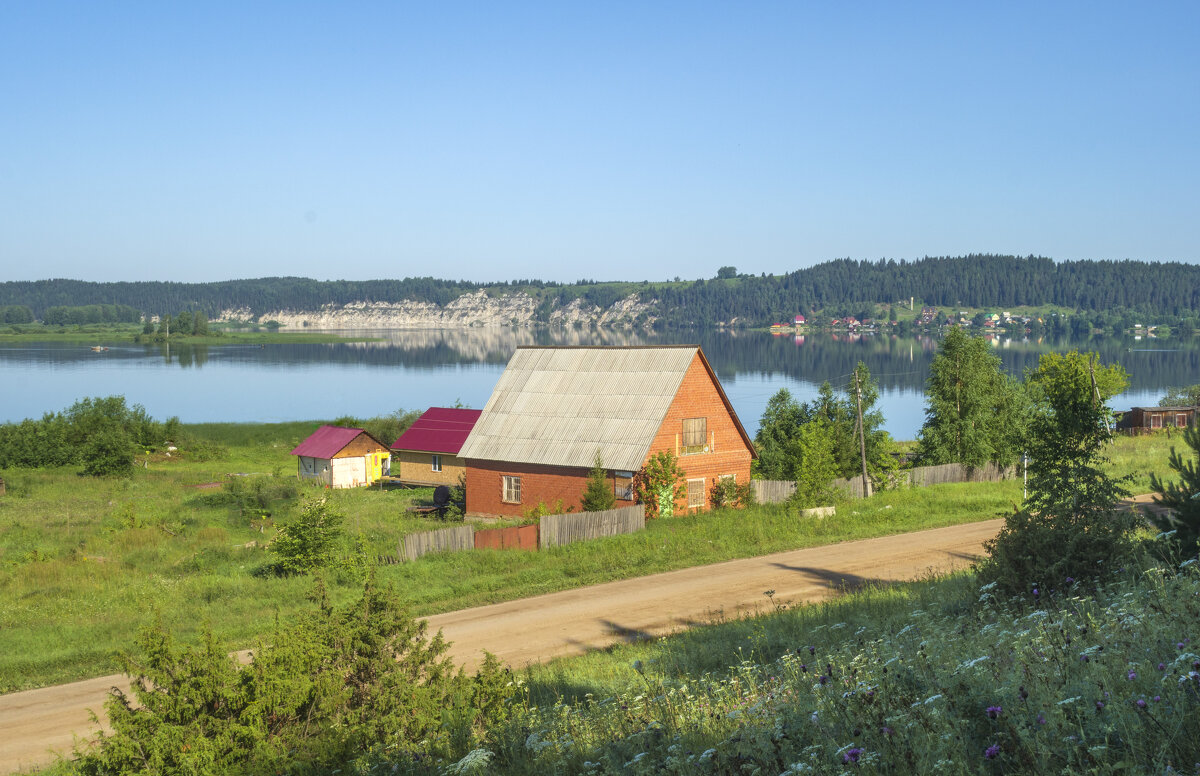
[[37, 723]]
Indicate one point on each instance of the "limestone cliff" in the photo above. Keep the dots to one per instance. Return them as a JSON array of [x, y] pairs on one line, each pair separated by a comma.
[[469, 310]]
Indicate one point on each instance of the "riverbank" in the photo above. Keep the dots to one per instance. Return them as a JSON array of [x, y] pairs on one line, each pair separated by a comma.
[[124, 334]]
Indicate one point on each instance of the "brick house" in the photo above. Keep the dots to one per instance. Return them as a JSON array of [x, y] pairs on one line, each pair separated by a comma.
[[555, 408], [341, 457], [427, 453]]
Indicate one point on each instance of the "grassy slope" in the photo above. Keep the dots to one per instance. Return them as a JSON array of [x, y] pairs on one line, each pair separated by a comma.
[[84, 563]]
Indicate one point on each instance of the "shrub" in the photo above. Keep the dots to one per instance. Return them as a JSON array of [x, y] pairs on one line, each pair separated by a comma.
[[659, 484], [307, 542], [333, 687], [726, 492], [1041, 551], [108, 453]]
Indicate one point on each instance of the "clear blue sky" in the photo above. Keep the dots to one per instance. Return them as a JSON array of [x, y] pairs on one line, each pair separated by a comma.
[[205, 141]]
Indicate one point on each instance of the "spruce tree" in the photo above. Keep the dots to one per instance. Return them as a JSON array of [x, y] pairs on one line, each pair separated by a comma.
[[598, 495], [1183, 497]]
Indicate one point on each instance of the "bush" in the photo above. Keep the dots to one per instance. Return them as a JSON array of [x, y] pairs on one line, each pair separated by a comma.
[[337, 686], [108, 453], [1043, 552], [659, 484], [726, 492], [308, 541]]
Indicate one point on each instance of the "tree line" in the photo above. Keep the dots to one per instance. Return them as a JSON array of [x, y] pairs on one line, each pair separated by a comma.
[[842, 285]]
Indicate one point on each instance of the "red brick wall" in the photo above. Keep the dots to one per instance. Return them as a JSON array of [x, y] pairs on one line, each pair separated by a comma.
[[698, 398], [547, 484]]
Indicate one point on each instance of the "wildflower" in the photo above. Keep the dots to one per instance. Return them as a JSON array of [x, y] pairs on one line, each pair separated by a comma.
[[803, 668], [994, 712], [812, 650], [1041, 719], [992, 751], [851, 755], [1099, 705], [1131, 675], [1035, 593], [823, 679], [1070, 580], [887, 731], [1157, 698], [1141, 704], [1162, 666]]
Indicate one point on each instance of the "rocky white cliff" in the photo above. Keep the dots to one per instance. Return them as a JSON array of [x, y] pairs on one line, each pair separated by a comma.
[[469, 310]]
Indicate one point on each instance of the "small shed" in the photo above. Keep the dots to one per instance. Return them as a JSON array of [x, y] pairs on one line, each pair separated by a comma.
[[427, 453], [1142, 419], [342, 457]]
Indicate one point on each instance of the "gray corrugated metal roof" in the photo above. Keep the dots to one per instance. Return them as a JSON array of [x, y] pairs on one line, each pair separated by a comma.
[[558, 406]]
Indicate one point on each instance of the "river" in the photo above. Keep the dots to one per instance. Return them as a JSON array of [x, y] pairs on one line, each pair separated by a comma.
[[422, 368]]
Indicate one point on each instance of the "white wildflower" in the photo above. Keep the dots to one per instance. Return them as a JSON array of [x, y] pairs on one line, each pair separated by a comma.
[[475, 761]]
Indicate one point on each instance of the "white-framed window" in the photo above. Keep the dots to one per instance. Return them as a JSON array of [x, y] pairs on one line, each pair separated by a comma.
[[1156, 421], [695, 435], [511, 493], [1181, 420], [437, 463], [695, 493]]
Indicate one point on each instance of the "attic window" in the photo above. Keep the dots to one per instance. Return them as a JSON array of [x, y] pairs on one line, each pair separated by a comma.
[[695, 435]]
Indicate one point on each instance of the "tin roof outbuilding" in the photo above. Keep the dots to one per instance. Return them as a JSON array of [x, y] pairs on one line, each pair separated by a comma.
[[327, 441]]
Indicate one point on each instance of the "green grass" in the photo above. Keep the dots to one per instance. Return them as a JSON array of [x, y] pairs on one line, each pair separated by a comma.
[[85, 562], [918, 678]]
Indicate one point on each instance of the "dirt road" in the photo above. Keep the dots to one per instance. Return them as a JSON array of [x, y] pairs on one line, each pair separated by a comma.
[[36, 724]]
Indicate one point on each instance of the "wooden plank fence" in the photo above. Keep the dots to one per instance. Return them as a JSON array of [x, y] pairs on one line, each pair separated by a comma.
[[557, 530], [453, 539], [776, 491]]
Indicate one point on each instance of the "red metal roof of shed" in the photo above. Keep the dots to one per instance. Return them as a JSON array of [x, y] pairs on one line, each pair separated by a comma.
[[327, 441], [439, 430]]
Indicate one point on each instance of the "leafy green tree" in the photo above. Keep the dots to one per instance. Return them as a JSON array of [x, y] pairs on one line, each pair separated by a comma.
[[727, 272], [1068, 528], [308, 541], [1188, 396], [183, 324], [1181, 498], [776, 437], [659, 484], [1069, 430], [199, 324], [598, 495], [974, 413], [816, 468]]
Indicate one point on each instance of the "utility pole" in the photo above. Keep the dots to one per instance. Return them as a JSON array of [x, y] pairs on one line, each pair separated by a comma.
[[862, 437]]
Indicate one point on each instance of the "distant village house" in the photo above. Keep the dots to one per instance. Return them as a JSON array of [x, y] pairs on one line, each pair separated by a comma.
[[427, 453], [1141, 419], [554, 409], [339, 457]]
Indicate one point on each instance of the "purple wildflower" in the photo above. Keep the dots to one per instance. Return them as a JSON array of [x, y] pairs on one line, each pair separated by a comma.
[[1035, 593], [1131, 675], [992, 751], [1099, 705], [851, 755], [1070, 580], [1157, 698], [994, 712], [1041, 719], [803, 668], [1141, 704], [887, 731], [1162, 666], [823, 679]]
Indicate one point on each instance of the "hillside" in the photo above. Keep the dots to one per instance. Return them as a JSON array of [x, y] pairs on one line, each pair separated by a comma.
[[842, 285]]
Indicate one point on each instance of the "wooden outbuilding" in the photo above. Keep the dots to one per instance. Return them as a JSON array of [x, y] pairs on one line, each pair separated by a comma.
[[555, 408], [427, 453], [1142, 419], [341, 457]]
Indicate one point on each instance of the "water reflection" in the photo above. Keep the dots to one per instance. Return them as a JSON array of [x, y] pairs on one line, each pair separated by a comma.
[[421, 368]]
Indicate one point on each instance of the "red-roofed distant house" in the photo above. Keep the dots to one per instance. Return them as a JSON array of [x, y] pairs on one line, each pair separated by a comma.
[[427, 453], [800, 320], [341, 457]]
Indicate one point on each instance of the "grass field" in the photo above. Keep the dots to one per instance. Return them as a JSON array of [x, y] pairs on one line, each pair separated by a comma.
[[85, 562]]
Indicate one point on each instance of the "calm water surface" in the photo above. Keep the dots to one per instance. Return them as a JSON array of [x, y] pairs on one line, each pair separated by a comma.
[[419, 369]]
